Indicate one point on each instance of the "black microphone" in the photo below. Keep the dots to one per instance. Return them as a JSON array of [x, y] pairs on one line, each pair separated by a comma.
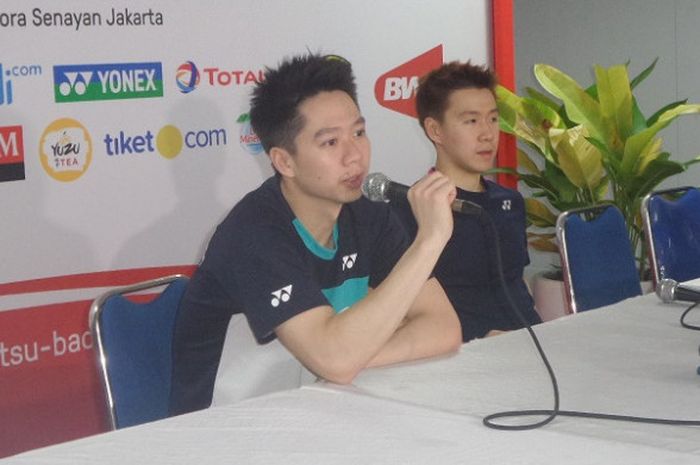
[[379, 188], [669, 290]]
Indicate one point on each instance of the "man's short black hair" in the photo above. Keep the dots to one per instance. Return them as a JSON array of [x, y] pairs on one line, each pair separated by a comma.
[[274, 113], [435, 88]]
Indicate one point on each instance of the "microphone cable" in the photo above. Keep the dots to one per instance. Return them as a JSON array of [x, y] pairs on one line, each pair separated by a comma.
[[555, 411], [685, 313]]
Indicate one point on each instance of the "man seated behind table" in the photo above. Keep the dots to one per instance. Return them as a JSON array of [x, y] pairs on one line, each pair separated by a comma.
[[457, 110], [306, 258]]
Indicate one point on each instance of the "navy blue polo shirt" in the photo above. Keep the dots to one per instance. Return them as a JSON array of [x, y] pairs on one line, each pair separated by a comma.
[[467, 267], [262, 262]]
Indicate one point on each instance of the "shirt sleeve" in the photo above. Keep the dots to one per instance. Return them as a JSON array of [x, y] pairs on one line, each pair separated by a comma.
[[390, 243], [272, 278]]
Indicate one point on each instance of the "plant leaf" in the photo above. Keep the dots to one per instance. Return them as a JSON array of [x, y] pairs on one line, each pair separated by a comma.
[[580, 107], [655, 117], [526, 163], [615, 98], [644, 74], [543, 242], [538, 214], [636, 143], [578, 158]]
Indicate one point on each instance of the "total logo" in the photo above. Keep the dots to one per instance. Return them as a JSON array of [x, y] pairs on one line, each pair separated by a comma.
[[168, 141], [112, 81], [65, 149], [250, 142], [396, 89], [188, 77], [7, 76], [11, 153]]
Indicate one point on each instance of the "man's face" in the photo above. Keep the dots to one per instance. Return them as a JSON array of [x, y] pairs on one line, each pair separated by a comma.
[[332, 149], [467, 138]]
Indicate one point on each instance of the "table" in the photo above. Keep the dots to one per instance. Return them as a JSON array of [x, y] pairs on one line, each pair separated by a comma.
[[632, 358], [325, 425]]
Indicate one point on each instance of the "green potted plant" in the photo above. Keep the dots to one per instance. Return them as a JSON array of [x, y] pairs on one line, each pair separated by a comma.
[[585, 146]]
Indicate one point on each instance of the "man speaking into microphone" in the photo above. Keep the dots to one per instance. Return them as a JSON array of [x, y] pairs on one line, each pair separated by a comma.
[[306, 258]]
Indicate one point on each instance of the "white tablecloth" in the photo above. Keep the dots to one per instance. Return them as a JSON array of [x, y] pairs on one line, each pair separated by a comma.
[[313, 425], [633, 358]]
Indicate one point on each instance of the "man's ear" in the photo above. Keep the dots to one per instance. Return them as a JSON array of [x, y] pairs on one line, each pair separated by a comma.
[[282, 161], [433, 129]]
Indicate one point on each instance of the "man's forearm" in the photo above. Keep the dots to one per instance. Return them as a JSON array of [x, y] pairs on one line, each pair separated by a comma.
[[433, 330]]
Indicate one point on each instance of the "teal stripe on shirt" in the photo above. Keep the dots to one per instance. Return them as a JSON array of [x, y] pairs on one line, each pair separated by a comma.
[[343, 296]]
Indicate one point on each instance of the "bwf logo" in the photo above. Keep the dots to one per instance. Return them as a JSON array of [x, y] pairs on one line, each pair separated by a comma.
[[396, 89], [281, 295], [349, 261]]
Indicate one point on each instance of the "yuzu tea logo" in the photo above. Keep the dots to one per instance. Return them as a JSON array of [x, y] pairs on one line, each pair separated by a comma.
[[65, 149]]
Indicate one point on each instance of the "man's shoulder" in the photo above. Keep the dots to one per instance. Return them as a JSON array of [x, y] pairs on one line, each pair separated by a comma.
[[496, 190], [263, 205]]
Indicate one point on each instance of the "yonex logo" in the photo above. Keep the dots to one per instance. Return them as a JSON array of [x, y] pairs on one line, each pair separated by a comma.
[[349, 261], [110, 81], [281, 295], [75, 82], [506, 205]]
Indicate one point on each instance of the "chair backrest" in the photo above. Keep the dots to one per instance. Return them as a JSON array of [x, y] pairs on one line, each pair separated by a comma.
[[672, 227], [597, 258], [134, 341]]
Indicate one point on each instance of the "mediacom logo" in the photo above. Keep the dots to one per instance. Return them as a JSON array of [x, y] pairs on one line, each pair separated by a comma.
[[248, 139], [113, 81], [65, 149], [396, 89], [11, 153]]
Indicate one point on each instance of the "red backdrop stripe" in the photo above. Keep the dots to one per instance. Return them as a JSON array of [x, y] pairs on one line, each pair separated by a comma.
[[504, 65]]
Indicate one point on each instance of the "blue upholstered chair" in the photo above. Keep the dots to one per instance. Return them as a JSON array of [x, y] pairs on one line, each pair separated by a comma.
[[672, 226], [133, 339], [597, 258]]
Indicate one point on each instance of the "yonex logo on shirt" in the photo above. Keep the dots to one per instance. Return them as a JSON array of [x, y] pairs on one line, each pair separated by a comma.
[[281, 295], [506, 205], [349, 261]]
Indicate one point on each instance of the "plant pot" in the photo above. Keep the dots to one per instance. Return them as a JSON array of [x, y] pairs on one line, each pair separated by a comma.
[[549, 295]]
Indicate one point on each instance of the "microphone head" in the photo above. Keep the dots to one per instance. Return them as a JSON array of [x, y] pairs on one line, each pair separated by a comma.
[[666, 289], [375, 187]]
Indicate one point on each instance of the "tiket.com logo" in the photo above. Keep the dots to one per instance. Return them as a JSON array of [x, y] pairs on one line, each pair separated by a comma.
[[115, 81], [11, 153], [168, 141], [349, 261], [248, 139], [6, 79], [65, 149], [396, 89], [188, 77], [281, 295]]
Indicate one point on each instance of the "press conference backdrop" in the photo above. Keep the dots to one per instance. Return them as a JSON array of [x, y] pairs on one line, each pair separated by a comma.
[[125, 138]]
